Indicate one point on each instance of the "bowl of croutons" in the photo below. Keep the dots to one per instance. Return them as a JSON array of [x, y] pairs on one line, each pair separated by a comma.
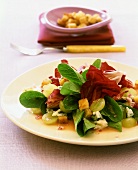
[[75, 20]]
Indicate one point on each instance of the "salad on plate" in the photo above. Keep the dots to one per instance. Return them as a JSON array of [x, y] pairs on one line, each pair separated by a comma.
[[93, 97]]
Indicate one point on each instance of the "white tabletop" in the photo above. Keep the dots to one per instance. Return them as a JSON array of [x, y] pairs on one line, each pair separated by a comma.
[[22, 150]]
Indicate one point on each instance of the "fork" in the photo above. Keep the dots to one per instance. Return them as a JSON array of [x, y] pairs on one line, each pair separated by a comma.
[[72, 49], [29, 51]]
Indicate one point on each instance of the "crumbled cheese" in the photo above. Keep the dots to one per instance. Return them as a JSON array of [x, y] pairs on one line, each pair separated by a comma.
[[58, 113], [61, 127], [129, 112], [48, 89], [129, 100], [33, 88], [101, 124], [97, 114]]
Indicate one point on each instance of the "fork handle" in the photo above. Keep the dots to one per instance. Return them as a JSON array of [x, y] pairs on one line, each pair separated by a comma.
[[94, 48]]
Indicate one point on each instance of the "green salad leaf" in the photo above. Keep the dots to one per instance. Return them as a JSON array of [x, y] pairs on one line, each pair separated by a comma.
[[43, 107], [135, 111], [112, 110], [78, 122], [84, 74], [32, 99], [123, 111], [116, 125], [70, 102], [70, 88], [69, 73], [96, 63], [87, 125], [82, 125]]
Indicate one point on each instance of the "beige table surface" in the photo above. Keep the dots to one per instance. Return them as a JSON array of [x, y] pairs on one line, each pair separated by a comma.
[[20, 149]]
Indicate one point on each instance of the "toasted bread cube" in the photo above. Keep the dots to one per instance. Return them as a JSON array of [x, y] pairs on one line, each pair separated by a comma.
[[88, 113], [136, 99], [88, 15], [83, 104], [97, 17], [91, 20], [63, 119], [62, 81], [73, 14], [61, 23], [71, 25], [71, 20], [83, 19], [79, 15], [45, 82], [69, 15], [136, 84], [81, 25], [65, 18]]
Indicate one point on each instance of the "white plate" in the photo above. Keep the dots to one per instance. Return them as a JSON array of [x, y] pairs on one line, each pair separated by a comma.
[[25, 120]]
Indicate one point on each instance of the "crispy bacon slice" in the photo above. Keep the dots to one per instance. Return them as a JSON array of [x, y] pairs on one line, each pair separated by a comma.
[[136, 106], [106, 67], [57, 73], [97, 85], [64, 61], [54, 81], [125, 82], [54, 99]]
